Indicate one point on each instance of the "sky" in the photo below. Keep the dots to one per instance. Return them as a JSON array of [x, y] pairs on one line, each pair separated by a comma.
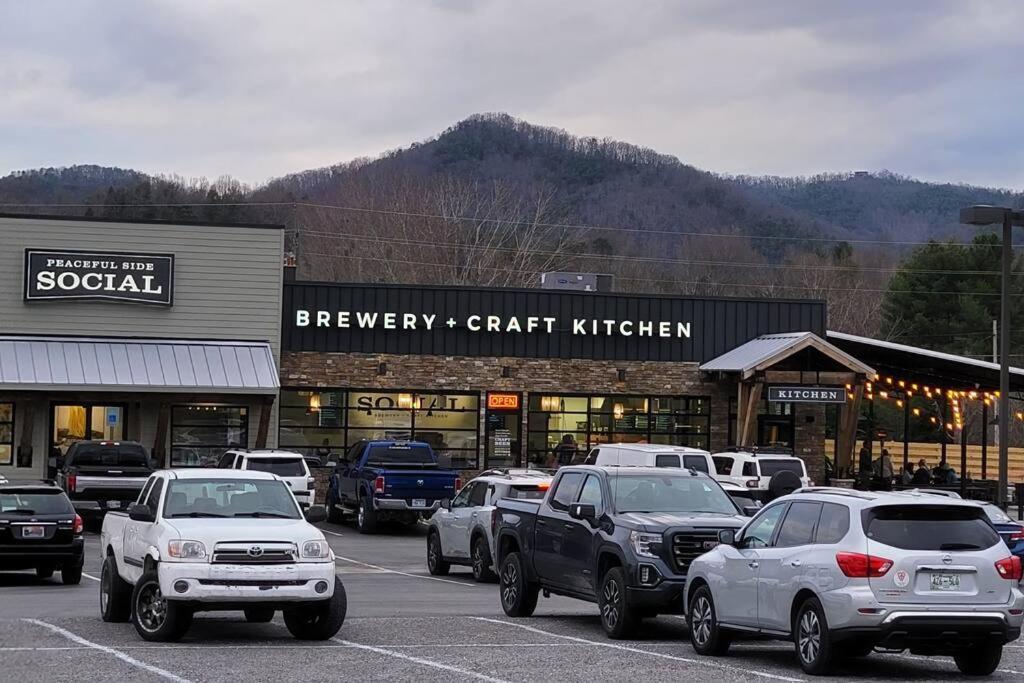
[[252, 89]]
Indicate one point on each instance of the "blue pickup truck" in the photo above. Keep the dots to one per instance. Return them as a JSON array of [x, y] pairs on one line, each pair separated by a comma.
[[379, 481]]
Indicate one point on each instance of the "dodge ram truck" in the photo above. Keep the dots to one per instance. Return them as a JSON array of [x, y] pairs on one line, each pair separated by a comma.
[[380, 481], [622, 537], [211, 540]]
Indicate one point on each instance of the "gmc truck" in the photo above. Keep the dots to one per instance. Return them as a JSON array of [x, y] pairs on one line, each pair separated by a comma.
[[103, 475], [211, 539], [380, 481], [622, 537]]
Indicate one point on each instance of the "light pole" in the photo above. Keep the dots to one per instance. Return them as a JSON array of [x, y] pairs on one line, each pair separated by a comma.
[[995, 215]]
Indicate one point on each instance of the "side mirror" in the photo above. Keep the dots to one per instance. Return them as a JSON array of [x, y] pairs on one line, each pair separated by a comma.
[[316, 513], [583, 511], [750, 510], [138, 512], [727, 537]]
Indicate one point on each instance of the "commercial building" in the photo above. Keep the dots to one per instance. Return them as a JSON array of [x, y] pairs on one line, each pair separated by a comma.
[[163, 333]]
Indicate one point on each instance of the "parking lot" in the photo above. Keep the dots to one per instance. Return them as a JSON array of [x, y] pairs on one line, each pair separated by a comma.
[[402, 624]]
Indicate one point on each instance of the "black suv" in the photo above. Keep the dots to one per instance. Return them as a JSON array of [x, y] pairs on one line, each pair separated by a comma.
[[40, 530], [622, 537]]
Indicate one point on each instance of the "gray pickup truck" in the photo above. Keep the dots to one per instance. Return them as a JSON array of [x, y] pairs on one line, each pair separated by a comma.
[[103, 475]]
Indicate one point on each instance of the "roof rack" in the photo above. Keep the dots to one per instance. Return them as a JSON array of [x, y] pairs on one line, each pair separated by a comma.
[[759, 450], [836, 491], [510, 472]]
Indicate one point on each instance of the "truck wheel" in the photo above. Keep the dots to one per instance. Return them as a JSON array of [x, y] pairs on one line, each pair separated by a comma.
[[333, 514], [435, 558], [812, 639], [71, 576], [617, 617], [482, 571], [320, 620], [706, 636], [156, 618], [366, 518], [518, 596], [115, 593], [44, 572], [259, 615], [979, 660]]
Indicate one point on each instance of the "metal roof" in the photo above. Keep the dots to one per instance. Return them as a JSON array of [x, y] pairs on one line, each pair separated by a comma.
[[137, 365], [765, 351]]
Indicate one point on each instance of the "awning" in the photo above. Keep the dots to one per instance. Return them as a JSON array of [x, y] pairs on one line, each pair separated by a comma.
[[136, 365], [763, 352]]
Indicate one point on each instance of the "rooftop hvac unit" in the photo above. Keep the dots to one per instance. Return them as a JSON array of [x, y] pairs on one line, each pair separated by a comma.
[[580, 282]]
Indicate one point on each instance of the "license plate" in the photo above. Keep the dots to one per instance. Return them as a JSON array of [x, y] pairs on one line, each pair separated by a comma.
[[945, 582], [33, 532], [419, 502]]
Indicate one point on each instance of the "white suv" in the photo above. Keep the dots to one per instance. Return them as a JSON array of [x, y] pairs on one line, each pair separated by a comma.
[[460, 532], [765, 473], [289, 466]]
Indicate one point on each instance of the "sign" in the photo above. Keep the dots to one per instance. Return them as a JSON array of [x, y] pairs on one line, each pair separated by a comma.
[[99, 276], [502, 444], [529, 323], [502, 401], [803, 394], [113, 416]]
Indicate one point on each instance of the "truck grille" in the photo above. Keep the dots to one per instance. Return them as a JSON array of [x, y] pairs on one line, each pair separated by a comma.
[[689, 545], [254, 552]]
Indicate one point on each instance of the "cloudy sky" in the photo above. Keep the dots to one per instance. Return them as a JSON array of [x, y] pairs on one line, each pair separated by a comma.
[[257, 89]]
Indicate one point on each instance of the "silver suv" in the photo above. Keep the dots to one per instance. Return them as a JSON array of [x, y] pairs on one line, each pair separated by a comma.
[[842, 572]]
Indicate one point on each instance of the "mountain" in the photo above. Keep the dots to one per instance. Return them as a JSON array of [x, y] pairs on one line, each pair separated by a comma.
[[64, 185]]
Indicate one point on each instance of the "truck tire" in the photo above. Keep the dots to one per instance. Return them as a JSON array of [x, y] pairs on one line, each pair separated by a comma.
[[259, 615], [617, 617], [435, 557], [518, 596], [115, 593], [334, 515], [482, 571], [979, 660], [44, 572], [366, 518], [320, 620], [71, 576], [156, 618]]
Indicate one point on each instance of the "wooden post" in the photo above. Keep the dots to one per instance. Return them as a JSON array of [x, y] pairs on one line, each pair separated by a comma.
[[27, 418], [264, 427], [984, 440], [963, 463], [906, 432], [750, 413], [846, 439], [163, 420]]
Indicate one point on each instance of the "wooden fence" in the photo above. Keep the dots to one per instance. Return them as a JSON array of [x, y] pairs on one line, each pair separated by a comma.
[[932, 453]]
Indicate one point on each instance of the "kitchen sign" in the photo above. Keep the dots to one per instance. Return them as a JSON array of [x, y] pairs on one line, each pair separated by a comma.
[[804, 394], [99, 276]]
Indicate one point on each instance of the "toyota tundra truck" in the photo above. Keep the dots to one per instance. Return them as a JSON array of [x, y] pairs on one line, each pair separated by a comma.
[[214, 540]]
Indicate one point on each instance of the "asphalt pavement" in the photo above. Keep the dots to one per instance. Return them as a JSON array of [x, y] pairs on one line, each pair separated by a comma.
[[402, 625]]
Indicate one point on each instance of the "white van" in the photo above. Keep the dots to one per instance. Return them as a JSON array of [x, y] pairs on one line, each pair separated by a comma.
[[651, 455]]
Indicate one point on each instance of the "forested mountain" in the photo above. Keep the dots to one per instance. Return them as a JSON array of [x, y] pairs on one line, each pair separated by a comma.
[[495, 200]]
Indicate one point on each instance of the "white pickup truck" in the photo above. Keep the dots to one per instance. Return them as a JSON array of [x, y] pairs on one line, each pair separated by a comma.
[[212, 539]]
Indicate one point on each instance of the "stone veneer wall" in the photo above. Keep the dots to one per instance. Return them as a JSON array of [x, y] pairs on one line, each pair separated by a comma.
[[553, 375]]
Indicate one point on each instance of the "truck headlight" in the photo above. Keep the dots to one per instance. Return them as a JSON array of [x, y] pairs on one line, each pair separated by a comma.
[[315, 550], [645, 544], [186, 550]]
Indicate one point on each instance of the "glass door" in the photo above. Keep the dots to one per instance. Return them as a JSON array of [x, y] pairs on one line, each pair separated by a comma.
[[77, 422], [503, 421]]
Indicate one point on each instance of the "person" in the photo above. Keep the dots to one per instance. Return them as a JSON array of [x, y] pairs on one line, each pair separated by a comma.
[[883, 470], [907, 477], [864, 464], [323, 452], [923, 476], [563, 453]]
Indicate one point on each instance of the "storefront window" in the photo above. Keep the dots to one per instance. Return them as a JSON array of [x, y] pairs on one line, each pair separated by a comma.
[[72, 423], [312, 422], [594, 420], [6, 433], [201, 433]]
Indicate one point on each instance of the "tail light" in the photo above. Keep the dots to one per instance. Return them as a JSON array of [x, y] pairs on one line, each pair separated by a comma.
[[1010, 568], [310, 483], [543, 486], [72, 480], [378, 485], [1018, 535], [458, 484], [752, 483], [861, 566], [79, 526]]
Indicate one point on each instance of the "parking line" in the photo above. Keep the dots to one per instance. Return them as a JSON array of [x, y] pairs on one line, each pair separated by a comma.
[[615, 646], [90, 576], [328, 531], [110, 651], [415, 576], [424, 662]]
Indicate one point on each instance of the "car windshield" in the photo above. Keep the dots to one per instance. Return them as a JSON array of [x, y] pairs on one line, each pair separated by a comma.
[[229, 498], [108, 455], [35, 502], [418, 456], [931, 527], [770, 467], [662, 493], [282, 467]]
